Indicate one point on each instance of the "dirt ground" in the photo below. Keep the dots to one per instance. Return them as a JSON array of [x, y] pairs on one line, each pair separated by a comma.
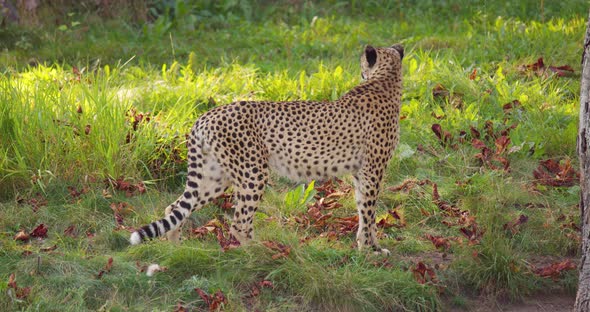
[[545, 303]]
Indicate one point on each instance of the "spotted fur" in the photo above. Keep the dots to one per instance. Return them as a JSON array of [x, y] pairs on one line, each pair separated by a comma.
[[236, 145]]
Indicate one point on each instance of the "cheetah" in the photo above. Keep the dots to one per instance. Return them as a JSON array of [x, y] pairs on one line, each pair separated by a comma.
[[236, 145]]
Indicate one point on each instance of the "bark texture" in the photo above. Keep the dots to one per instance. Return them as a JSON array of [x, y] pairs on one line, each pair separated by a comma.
[[583, 296]]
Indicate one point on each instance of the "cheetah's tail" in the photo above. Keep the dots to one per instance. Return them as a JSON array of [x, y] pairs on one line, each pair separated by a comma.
[[160, 227]]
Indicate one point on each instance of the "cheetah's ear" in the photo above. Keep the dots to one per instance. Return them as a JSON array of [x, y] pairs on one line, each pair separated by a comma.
[[371, 55], [400, 49]]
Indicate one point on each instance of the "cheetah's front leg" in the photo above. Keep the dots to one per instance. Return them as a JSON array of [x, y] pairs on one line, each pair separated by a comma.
[[248, 192], [366, 191]]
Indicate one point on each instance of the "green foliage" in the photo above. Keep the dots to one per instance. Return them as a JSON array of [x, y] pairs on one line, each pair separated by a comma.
[[297, 199]]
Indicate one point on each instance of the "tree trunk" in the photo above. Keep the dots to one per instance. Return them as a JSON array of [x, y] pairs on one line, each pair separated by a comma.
[[583, 296]]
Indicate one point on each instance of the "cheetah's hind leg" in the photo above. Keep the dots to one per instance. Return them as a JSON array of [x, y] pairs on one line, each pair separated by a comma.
[[366, 192], [248, 199]]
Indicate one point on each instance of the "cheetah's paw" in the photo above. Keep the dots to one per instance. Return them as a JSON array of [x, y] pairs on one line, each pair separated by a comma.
[[382, 251]]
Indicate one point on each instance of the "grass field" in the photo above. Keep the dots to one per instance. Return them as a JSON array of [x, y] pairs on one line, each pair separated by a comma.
[[479, 204]]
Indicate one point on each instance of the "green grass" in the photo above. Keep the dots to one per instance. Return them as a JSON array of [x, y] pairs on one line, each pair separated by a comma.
[[110, 99]]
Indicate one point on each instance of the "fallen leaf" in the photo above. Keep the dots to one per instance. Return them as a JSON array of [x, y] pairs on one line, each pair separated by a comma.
[[19, 292], [562, 71], [473, 74], [22, 236], [140, 187], [555, 269], [393, 218], [36, 202], [48, 249], [345, 225], [473, 233], [179, 308], [225, 201], [141, 267], [478, 144], [383, 263], [439, 241], [266, 284], [409, 184], [552, 172], [76, 73], [437, 129], [513, 226], [75, 193], [12, 281], [539, 64], [107, 268], [71, 231], [491, 158], [501, 144], [474, 132], [511, 106], [283, 251], [121, 185], [333, 188], [423, 274], [255, 289], [540, 69], [106, 194], [226, 243], [40, 231], [433, 114], [439, 91], [26, 253], [445, 137], [215, 301]]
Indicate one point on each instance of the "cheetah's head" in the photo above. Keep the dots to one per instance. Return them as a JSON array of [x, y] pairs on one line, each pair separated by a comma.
[[382, 62]]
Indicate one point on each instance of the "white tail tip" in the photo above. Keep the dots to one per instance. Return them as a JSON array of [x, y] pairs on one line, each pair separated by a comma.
[[152, 269], [135, 239]]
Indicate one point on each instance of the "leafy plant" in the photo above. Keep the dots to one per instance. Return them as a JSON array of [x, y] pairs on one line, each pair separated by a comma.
[[298, 198]]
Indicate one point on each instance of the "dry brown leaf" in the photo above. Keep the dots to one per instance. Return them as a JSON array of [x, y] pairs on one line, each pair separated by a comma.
[[554, 270], [40, 231], [423, 273], [552, 172], [215, 301], [514, 226], [22, 236]]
